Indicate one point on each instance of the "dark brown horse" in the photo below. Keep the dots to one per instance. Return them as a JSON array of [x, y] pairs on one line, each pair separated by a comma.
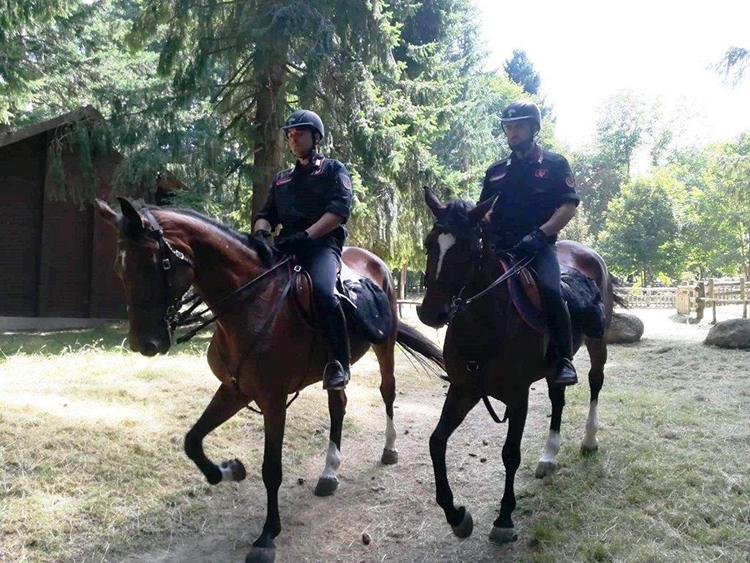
[[262, 350], [490, 351]]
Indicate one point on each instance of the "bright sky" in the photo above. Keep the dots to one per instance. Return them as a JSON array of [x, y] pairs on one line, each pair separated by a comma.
[[587, 50]]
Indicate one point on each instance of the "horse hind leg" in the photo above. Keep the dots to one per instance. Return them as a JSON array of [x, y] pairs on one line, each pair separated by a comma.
[[329, 481], [598, 354], [385, 355], [548, 462], [223, 406]]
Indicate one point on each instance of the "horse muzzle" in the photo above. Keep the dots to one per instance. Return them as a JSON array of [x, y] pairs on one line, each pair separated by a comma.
[[433, 318]]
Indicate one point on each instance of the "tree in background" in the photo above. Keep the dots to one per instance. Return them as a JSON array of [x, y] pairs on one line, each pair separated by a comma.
[[641, 233], [520, 70], [734, 64]]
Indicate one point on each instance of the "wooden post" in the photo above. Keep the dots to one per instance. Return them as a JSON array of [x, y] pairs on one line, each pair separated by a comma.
[[712, 295], [743, 296], [401, 289], [700, 305]]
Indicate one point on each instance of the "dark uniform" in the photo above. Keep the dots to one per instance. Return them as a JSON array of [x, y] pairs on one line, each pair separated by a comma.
[[530, 191], [298, 198]]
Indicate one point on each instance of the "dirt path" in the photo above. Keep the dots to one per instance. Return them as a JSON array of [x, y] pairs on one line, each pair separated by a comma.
[[395, 505]]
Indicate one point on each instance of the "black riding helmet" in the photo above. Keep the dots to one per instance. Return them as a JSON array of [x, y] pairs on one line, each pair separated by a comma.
[[305, 118], [522, 109]]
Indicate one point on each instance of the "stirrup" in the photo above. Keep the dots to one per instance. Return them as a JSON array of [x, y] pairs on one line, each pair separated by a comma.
[[565, 373], [335, 376]]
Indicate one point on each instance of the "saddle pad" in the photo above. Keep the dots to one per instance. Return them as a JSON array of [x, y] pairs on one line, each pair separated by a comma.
[[368, 307], [584, 302]]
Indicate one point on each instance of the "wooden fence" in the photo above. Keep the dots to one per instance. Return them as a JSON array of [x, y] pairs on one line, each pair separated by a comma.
[[712, 293], [648, 297]]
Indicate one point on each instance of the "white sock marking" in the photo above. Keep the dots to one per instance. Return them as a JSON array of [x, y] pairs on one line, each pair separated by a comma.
[[226, 472], [445, 241], [552, 447], [592, 425], [390, 433], [333, 461]]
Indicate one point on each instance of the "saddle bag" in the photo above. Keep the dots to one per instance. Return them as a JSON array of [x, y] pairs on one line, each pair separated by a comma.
[[584, 302], [367, 308]]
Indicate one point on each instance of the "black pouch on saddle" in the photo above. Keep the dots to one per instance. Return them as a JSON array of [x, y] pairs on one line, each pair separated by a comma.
[[584, 302], [367, 308]]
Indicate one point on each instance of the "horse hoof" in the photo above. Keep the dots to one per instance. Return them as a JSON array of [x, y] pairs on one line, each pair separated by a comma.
[[465, 528], [232, 470], [543, 469], [501, 536], [589, 447], [390, 457], [326, 486], [261, 555]]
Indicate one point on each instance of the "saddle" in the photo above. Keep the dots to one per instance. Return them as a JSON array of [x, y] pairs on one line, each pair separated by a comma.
[[580, 293], [366, 306]]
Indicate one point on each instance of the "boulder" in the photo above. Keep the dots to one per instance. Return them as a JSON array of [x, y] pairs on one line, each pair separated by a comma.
[[734, 333], [625, 328]]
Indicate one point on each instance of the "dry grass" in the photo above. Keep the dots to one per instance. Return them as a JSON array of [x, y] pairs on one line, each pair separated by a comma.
[[91, 462]]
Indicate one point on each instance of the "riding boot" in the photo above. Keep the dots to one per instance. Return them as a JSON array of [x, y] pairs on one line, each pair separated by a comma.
[[561, 333], [336, 374]]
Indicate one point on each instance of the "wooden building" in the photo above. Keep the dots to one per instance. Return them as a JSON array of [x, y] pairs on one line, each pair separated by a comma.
[[56, 256]]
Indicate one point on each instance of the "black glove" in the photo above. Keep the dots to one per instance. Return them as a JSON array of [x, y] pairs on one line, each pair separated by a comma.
[[532, 243], [294, 243]]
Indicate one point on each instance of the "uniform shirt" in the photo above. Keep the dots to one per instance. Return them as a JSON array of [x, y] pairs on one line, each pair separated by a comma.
[[530, 191], [301, 195]]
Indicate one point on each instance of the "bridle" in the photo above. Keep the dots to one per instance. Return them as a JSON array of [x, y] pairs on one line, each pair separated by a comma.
[[167, 260]]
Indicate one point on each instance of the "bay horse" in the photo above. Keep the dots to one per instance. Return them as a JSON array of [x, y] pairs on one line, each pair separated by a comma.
[[490, 351], [264, 347]]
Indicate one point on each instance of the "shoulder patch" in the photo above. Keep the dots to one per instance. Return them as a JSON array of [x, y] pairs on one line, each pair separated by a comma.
[[541, 173], [345, 181], [570, 182]]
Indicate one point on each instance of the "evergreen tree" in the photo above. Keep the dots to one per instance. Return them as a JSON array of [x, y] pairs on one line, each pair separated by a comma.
[[520, 70]]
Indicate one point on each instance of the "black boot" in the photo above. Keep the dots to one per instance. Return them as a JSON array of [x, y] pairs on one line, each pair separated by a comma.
[[336, 374], [561, 333]]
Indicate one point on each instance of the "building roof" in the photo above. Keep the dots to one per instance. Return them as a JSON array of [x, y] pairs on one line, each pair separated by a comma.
[[86, 112]]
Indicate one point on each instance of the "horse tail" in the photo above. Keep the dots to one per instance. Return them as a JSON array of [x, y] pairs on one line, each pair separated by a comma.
[[419, 347], [616, 297]]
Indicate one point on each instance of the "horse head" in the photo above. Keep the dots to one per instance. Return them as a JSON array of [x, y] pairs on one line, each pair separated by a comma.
[[155, 273], [453, 249]]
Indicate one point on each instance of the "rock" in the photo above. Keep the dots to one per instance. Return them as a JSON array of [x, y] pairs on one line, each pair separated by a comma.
[[625, 328], [366, 539], [734, 333]]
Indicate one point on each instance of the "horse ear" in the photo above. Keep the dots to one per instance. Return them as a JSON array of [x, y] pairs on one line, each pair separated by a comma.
[[105, 212], [130, 214], [478, 213], [433, 202]]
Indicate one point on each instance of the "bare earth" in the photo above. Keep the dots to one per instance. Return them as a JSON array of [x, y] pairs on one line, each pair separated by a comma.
[[395, 505]]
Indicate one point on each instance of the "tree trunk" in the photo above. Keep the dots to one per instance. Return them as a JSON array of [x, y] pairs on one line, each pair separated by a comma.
[[270, 74], [402, 283]]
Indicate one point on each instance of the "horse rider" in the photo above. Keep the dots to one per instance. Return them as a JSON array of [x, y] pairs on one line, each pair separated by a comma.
[[536, 199], [312, 202]]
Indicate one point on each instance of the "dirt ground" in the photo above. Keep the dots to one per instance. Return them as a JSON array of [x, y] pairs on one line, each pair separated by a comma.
[[395, 505]]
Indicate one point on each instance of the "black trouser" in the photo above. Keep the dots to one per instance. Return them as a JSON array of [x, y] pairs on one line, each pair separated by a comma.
[[547, 269], [322, 263]]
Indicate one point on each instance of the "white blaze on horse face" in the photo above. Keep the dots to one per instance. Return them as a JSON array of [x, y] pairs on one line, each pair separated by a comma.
[[592, 425], [445, 241], [552, 447], [333, 461], [390, 434]]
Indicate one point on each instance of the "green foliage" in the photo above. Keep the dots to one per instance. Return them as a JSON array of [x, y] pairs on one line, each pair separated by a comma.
[[642, 229], [520, 70], [734, 64]]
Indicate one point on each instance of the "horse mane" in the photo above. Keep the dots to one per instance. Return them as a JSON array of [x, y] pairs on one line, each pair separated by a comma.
[[455, 219], [255, 243]]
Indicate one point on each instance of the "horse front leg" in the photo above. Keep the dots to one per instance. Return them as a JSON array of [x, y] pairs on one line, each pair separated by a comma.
[[223, 406], [274, 419], [384, 353], [502, 529], [598, 354], [455, 409], [329, 481], [548, 462]]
